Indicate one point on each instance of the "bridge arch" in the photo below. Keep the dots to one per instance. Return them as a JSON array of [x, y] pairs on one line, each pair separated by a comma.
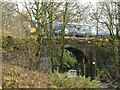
[[81, 59]]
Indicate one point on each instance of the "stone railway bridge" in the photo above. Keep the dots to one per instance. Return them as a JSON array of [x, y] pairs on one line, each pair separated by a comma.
[[89, 52]]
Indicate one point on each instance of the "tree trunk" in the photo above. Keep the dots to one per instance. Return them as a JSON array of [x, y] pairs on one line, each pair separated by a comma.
[[63, 37]]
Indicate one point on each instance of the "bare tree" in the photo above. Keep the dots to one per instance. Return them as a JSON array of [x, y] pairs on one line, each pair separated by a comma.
[[107, 14], [7, 14]]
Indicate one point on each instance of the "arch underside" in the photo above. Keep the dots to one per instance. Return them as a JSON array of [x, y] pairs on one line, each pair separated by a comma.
[[81, 60]]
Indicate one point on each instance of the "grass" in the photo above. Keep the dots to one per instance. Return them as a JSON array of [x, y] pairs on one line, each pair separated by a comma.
[[19, 77], [62, 81]]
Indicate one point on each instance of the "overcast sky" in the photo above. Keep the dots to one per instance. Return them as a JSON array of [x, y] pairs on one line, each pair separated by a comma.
[[79, 1], [82, 1]]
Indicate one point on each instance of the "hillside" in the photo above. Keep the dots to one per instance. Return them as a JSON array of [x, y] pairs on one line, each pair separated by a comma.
[[20, 77], [17, 71]]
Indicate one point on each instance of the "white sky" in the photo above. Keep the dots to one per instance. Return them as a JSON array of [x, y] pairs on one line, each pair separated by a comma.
[[82, 1], [79, 1]]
